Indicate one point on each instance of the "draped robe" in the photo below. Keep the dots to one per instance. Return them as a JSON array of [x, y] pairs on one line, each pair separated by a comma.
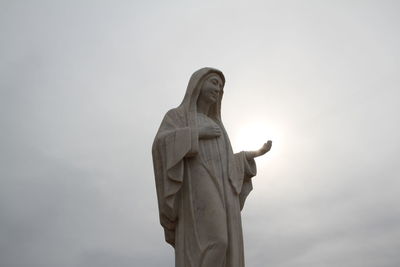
[[201, 185]]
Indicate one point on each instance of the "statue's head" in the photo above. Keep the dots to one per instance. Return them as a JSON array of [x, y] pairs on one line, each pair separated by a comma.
[[204, 81], [211, 88]]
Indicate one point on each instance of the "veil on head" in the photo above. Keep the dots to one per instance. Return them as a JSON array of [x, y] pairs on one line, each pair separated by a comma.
[[193, 91]]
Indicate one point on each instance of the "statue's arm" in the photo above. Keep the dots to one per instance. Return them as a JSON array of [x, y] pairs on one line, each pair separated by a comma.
[[179, 139], [256, 153]]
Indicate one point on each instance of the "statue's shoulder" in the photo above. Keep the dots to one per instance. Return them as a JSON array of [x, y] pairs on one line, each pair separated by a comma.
[[175, 114]]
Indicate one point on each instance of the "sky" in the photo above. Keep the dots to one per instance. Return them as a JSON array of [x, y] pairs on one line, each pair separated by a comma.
[[84, 86]]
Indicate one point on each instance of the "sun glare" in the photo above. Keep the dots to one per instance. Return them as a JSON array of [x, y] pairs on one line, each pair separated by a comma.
[[252, 136]]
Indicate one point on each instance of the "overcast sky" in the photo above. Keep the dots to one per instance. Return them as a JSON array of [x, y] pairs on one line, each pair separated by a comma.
[[84, 86]]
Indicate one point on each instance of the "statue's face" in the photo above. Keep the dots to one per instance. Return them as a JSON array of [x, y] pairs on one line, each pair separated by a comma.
[[211, 88]]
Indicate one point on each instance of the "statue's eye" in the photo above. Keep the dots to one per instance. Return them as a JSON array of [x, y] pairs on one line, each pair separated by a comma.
[[215, 82]]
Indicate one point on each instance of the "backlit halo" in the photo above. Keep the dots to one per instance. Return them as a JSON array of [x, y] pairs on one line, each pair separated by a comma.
[[251, 136]]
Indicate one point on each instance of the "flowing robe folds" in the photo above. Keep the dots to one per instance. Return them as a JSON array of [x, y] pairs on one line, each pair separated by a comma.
[[201, 189]]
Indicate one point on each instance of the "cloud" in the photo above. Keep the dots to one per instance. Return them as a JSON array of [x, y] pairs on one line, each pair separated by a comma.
[[84, 87]]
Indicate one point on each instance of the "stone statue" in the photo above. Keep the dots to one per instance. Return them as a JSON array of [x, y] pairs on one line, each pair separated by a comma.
[[201, 184]]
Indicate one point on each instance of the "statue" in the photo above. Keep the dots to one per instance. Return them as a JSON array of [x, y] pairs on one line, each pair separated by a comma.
[[201, 184]]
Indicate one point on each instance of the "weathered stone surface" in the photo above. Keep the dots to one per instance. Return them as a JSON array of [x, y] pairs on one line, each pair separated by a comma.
[[201, 184]]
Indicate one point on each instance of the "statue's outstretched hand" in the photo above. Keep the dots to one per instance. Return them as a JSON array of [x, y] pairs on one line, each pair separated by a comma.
[[264, 149]]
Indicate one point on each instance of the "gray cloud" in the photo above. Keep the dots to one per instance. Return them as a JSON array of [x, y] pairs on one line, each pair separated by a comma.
[[84, 86]]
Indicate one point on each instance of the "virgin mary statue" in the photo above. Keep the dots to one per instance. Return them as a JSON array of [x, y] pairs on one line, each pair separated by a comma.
[[201, 184]]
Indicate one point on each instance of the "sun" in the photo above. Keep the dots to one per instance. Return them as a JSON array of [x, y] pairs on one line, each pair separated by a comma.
[[251, 136]]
